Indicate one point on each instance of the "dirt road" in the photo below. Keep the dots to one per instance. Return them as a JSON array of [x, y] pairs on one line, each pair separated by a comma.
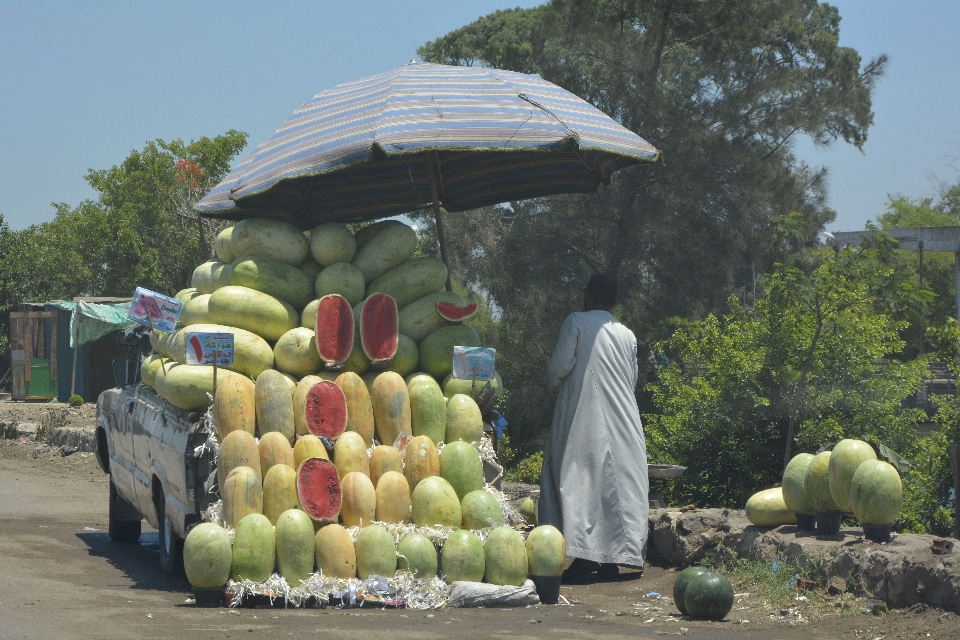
[[61, 577]]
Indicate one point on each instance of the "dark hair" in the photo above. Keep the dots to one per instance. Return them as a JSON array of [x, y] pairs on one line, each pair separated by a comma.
[[603, 289]]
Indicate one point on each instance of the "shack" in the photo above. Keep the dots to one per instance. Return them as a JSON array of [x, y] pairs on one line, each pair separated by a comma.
[[45, 362]]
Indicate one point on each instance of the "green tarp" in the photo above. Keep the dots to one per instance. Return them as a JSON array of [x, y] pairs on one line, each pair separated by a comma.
[[94, 319]]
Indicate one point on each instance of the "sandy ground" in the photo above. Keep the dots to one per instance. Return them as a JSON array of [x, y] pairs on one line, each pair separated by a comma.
[[62, 577]]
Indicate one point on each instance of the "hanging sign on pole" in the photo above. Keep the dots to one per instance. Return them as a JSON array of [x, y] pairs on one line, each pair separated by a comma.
[[155, 310], [473, 363], [209, 348]]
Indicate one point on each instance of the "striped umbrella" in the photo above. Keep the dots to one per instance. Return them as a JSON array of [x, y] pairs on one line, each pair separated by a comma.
[[426, 135]]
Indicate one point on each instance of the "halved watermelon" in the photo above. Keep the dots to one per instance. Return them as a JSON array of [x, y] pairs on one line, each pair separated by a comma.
[[326, 410], [334, 331], [450, 311], [318, 487], [379, 329]]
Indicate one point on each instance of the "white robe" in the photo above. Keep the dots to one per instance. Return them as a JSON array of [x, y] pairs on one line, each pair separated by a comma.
[[594, 483]]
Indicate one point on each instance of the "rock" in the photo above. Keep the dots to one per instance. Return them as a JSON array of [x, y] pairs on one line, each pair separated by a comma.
[[900, 573]]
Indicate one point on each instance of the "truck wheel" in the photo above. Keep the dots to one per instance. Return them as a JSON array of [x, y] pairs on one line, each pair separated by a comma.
[[122, 531], [171, 547]]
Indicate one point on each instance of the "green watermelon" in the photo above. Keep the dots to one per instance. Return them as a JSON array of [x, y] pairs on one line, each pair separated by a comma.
[[505, 557], [434, 502], [270, 238], [251, 353], [416, 554], [296, 353], [680, 585], [310, 268], [708, 596], [203, 276], [273, 277], [342, 278], [332, 242], [528, 511], [794, 478], [407, 356], [460, 465], [295, 546], [844, 460], [546, 551], [428, 409], [411, 280], [207, 556], [876, 493], [420, 318], [187, 386], [480, 509], [252, 310], [253, 549], [308, 317], [464, 421], [462, 557], [222, 248], [767, 509], [392, 245], [817, 484], [376, 552], [195, 311], [436, 350], [452, 386]]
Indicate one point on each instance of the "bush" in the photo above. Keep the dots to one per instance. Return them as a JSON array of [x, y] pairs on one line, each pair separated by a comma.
[[75, 400], [527, 470]]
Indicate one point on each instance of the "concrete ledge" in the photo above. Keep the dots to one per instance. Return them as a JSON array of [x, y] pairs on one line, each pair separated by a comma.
[[82, 439], [902, 572]]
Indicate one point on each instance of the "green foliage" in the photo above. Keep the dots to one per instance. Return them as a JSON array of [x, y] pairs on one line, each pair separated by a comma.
[[141, 230], [926, 489], [527, 470], [814, 353], [75, 400], [777, 588], [721, 88]]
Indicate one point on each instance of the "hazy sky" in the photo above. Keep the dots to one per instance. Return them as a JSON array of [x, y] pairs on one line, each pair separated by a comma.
[[84, 83]]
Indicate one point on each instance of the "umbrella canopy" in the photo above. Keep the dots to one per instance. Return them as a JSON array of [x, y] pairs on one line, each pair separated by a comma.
[[422, 135]]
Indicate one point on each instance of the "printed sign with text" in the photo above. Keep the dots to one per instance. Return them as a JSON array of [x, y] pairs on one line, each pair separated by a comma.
[[473, 363], [201, 348], [155, 310]]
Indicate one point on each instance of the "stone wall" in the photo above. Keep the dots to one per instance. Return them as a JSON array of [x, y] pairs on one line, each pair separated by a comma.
[[902, 572]]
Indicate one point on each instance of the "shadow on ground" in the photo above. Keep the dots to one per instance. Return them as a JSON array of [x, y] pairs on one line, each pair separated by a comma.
[[140, 562]]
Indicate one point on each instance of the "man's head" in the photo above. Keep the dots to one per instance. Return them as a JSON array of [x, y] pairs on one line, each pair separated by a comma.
[[601, 293]]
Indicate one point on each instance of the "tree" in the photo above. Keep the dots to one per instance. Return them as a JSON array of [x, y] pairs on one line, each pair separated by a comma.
[[812, 363], [141, 230], [723, 89]]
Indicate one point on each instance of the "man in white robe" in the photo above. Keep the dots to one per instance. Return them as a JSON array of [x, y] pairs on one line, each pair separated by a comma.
[[594, 483]]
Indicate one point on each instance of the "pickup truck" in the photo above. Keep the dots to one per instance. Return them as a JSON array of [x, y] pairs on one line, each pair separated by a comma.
[[147, 446]]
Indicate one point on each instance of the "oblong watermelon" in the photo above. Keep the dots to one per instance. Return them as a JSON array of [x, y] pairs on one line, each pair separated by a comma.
[[271, 238], [295, 546], [273, 277], [376, 552], [416, 554], [318, 487], [296, 353], [379, 330], [334, 329], [207, 556], [254, 549], [462, 557], [411, 280], [253, 310], [332, 242]]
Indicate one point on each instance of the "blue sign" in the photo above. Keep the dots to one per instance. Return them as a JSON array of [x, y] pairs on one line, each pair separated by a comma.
[[473, 363], [155, 310], [203, 348]]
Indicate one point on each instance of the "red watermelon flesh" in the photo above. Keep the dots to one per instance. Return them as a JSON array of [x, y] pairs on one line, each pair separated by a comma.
[[379, 329], [318, 487], [334, 329], [450, 311], [326, 409]]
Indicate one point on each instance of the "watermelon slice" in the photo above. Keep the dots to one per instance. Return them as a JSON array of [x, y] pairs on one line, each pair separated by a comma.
[[453, 313], [334, 330], [379, 329], [318, 487], [326, 410]]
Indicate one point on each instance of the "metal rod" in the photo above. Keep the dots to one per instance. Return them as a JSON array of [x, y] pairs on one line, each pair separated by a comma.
[[439, 219], [956, 281], [76, 348]]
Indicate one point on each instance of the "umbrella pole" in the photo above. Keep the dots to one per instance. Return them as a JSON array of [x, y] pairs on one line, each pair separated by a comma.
[[439, 219]]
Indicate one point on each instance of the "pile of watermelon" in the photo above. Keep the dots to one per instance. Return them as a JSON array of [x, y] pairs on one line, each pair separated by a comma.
[[343, 437], [848, 479]]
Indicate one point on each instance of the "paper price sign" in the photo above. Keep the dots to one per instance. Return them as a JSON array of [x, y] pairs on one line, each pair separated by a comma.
[[473, 363], [155, 310], [202, 348]]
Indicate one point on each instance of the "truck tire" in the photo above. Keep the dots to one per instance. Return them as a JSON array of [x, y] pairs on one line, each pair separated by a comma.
[[121, 529], [171, 546]]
